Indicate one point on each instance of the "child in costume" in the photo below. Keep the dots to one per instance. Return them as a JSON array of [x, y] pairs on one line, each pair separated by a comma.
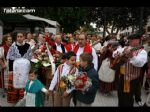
[[34, 91], [62, 95]]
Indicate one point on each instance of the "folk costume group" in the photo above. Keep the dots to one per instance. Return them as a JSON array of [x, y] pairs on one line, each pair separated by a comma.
[[110, 64]]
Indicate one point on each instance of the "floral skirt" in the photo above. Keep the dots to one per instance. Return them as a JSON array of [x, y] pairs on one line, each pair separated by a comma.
[[13, 94]]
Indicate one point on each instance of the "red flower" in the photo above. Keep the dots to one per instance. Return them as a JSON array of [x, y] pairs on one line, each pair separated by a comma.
[[81, 81]]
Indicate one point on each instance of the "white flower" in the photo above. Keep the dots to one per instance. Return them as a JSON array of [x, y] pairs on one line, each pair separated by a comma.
[[34, 60], [46, 64], [72, 78]]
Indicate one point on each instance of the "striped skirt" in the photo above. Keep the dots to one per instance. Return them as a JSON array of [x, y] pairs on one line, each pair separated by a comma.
[[108, 87], [13, 94], [4, 78]]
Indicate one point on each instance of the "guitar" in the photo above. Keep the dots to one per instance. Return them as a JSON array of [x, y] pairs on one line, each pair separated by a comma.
[[121, 59]]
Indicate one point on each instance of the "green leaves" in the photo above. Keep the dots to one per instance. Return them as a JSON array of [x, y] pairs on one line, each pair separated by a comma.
[[71, 18]]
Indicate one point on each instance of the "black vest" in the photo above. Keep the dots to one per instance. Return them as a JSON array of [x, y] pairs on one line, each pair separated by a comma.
[[62, 47]]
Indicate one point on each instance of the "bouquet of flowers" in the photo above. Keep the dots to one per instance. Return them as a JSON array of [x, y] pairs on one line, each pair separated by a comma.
[[82, 82], [40, 59], [68, 81]]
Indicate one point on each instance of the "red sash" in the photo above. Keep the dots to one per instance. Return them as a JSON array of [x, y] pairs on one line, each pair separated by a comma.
[[69, 47], [87, 48]]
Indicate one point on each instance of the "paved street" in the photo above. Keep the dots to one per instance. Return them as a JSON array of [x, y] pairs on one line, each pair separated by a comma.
[[100, 100]]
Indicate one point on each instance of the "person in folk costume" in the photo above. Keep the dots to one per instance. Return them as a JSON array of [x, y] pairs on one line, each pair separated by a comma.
[[29, 40], [83, 46], [62, 96], [58, 44], [18, 49], [48, 38], [34, 91], [129, 77], [106, 40], [87, 97], [95, 42], [146, 66], [107, 52], [6, 43], [65, 38], [70, 46], [59, 49], [88, 40]]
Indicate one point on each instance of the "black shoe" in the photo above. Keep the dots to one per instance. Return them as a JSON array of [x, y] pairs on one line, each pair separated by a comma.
[[140, 103], [145, 105]]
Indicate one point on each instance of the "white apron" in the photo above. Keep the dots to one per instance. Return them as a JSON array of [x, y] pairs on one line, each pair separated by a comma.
[[21, 68]]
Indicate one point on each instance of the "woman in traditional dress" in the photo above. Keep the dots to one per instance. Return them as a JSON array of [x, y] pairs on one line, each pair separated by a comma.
[[19, 49], [6, 43], [105, 87]]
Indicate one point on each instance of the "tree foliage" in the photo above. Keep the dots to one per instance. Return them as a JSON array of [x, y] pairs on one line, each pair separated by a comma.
[[70, 18], [119, 18], [114, 18]]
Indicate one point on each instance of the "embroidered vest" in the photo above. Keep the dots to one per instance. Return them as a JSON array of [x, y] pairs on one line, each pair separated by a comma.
[[62, 47], [130, 72]]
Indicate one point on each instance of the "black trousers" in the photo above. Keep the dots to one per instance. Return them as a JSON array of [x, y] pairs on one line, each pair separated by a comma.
[[127, 99], [145, 69]]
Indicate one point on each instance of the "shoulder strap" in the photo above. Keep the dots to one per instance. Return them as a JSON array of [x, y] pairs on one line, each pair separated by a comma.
[[63, 48], [76, 48], [72, 70], [60, 68]]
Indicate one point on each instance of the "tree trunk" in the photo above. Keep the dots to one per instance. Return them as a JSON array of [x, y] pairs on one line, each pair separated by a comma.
[[112, 29], [107, 31], [117, 31], [104, 30], [132, 29]]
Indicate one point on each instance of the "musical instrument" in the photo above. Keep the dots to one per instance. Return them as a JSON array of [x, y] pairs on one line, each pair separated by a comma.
[[93, 44], [121, 59]]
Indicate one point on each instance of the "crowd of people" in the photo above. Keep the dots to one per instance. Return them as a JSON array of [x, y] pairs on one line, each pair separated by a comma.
[[112, 65]]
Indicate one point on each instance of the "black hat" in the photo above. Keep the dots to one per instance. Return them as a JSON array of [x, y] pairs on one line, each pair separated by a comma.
[[134, 36]]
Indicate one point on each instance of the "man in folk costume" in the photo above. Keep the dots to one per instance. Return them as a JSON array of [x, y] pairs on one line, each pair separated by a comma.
[[147, 65], [18, 50], [6, 43], [59, 47], [95, 42], [48, 38], [129, 79], [70, 46], [83, 46]]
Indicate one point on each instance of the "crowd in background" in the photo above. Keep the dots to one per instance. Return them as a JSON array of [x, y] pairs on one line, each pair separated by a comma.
[[85, 52]]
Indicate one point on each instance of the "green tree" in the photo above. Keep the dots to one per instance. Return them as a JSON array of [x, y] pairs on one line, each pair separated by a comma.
[[118, 18], [70, 18]]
